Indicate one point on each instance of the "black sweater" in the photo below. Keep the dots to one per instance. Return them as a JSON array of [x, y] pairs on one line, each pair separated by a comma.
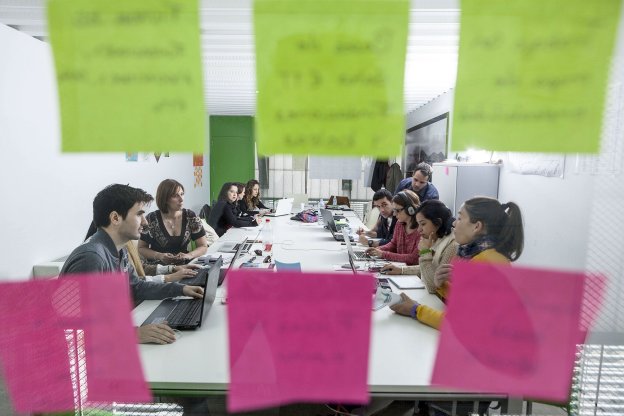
[[225, 215]]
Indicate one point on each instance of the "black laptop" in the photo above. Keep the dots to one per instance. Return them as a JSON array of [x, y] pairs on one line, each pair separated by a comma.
[[202, 274], [188, 313]]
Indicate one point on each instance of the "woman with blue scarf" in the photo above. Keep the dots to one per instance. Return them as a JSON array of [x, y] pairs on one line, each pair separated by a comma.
[[486, 231]]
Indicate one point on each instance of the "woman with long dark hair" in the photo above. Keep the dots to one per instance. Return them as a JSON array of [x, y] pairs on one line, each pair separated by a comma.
[[225, 212]]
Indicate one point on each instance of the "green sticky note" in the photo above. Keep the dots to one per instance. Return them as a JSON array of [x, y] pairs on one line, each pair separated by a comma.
[[532, 74], [330, 76], [129, 75]]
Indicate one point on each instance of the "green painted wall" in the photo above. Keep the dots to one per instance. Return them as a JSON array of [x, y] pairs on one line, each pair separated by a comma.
[[231, 151]]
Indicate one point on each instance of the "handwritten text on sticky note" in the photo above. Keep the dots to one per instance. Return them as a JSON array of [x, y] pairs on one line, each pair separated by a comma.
[[58, 343], [514, 330], [532, 74], [330, 76], [129, 74], [294, 338]]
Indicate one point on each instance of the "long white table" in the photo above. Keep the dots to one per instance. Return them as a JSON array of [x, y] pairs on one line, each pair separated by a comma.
[[402, 351]]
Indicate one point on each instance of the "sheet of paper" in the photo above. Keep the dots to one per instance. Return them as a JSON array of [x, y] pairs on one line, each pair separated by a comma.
[[129, 75], [330, 76], [532, 75], [513, 329], [61, 327], [288, 350]]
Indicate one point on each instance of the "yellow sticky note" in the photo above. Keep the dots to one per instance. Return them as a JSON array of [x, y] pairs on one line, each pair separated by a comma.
[[129, 74], [532, 74], [330, 76]]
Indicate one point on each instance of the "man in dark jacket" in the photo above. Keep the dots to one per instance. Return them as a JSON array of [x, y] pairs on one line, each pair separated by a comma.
[[420, 183], [384, 229]]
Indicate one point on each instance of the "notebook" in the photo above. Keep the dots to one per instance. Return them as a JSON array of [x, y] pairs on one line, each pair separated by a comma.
[[284, 207], [407, 282], [188, 313]]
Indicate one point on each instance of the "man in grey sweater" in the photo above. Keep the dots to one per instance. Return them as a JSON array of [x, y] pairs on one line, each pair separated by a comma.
[[119, 214]]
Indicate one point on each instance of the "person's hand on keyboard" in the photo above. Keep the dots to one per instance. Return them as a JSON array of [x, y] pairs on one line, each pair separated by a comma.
[[156, 334], [193, 291], [182, 272]]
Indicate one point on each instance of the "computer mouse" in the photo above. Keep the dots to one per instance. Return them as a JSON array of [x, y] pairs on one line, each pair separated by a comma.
[[178, 333], [258, 252]]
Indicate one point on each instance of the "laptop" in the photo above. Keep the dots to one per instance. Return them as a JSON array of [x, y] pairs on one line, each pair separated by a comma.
[[284, 207], [224, 272], [232, 247], [328, 219], [202, 274], [188, 313], [356, 255]]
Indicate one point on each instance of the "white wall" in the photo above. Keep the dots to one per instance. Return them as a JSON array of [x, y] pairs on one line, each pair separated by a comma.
[[46, 196], [556, 211]]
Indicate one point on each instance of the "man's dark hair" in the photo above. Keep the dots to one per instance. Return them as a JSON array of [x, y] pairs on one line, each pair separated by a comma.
[[118, 198], [425, 169], [381, 194]]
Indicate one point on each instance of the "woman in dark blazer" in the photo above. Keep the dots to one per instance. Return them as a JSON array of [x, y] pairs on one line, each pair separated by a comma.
[[225, 212]]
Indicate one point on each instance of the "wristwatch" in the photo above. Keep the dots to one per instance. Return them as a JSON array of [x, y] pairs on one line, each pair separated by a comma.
[[370, 243]]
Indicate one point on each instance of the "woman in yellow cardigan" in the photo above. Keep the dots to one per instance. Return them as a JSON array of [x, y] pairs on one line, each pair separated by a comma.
[[486, 231]]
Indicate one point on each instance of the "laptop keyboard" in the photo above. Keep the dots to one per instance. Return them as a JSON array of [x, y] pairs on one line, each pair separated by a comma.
[[245, 249], [361, 255], [199, 279], [184, 313]]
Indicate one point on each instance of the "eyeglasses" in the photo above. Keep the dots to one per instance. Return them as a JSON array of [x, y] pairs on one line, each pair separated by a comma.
[[397, 210]]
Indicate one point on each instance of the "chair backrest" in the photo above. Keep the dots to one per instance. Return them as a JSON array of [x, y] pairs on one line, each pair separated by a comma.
[[340, 200], [204, 213]]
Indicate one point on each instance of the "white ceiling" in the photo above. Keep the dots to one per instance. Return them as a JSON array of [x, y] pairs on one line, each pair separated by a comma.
[[229, 58]]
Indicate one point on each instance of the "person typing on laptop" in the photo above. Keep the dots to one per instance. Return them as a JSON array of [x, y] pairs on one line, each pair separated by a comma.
[[119, 214], [384, 229]]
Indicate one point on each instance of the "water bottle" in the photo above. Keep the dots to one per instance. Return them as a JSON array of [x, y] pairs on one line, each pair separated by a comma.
[[321, 205], [267, 236], [334, 201]]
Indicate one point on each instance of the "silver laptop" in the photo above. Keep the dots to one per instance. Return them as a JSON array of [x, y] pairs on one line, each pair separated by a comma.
[[328, 219], [284, 207], [232, 246], [358, 255]]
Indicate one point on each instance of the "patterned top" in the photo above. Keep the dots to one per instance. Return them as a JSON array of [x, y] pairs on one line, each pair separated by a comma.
[[403, 247], [156, 235]]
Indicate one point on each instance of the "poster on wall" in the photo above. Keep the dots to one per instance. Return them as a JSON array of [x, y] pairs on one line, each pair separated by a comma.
[[198, 159], [426, 142], [198, 177]]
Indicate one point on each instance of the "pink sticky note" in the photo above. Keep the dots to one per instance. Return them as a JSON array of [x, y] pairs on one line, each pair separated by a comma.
[[67, 338], [297, 337], [510, 330]]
